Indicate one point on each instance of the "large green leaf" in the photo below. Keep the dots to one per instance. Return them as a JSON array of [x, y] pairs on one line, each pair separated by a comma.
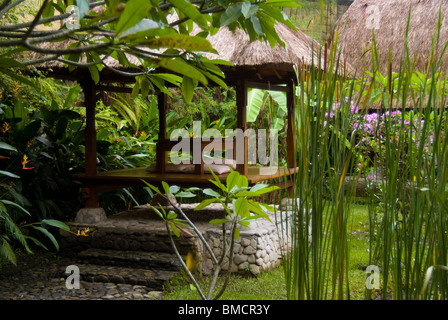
[[212, 193], [13, 204], [145, 28], [56, 223], [5, 146], [180, 41], [180, 66], [166, 187], [190, 11], [257, 25], [6, 251], [8, 62], [256, 98], [232, 180], [231, 14], [276, 14], [94, 73], [256, 208], [283, 3], [205, 203], [72, 95], [216, 80], [248, 9], [48, 235], [188, 86], [171, 78], [83, 7], [218, 221], [267, 24], [9, 174], [134, 12], [241, 207]]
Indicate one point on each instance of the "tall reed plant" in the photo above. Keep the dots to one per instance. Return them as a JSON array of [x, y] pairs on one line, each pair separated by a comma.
[[316, 267], [403, 157], [411, 242]]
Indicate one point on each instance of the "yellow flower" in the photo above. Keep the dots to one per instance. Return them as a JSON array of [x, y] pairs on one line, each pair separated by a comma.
[[191, 261], [24, 162], [6, 127], [191, 134], [82, 233]]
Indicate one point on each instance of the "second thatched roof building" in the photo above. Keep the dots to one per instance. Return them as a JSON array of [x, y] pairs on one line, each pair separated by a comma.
[[388, 19]]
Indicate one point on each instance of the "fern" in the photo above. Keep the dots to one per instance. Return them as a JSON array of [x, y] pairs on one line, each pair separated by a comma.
[[6, 252]]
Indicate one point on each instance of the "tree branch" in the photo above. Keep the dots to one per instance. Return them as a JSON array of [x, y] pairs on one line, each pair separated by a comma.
[[202, 11], [18, 26], [151, 55], [5, 7], [83, 64], [201, 237], [123, 73], [61, 52], [41, 60], [35, 21], [184, 266], [4, 4]]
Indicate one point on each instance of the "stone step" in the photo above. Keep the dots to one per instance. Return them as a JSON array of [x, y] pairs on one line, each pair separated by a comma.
[[130, 258], [154, 279], [124, 235]]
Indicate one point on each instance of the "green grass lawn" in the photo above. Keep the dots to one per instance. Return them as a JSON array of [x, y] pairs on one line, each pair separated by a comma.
[[271, 285]]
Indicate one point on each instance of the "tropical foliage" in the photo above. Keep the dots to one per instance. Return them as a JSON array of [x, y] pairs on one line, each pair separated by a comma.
[[41, 124], [245, 209], [399, 150]]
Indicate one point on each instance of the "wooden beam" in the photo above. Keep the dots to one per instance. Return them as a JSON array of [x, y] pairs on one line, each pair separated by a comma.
[[291, 131], [90, 99], [267, 86], [109, 88], [241, 105], [105, 88], [161, 154]]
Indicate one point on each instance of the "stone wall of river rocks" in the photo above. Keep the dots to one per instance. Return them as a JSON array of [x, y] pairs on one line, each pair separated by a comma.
[[259, 247]]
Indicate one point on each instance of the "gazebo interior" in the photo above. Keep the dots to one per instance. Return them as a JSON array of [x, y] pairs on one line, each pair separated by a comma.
[[267, 75]]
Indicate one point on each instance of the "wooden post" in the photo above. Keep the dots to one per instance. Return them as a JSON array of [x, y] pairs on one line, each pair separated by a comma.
[[291, 131], [161, 155], [88, 87], [241, 104]]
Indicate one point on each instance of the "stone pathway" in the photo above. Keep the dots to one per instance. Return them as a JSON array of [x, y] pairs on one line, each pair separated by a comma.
[[129, 257], [45, 282]]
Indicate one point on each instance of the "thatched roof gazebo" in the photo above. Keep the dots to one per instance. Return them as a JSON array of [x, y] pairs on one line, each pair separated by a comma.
[[255, 65], [258, 59], [388, 19]]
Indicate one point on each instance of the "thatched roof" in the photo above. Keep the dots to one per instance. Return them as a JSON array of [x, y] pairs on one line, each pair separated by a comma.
[[236, 48], [355, 36]]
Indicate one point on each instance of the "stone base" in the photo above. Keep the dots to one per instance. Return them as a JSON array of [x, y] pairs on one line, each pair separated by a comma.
[[90, 216], [259, 247]]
